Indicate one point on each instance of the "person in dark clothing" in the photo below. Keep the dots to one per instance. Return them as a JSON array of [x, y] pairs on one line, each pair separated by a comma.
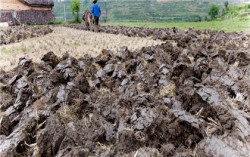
[[96, 13]]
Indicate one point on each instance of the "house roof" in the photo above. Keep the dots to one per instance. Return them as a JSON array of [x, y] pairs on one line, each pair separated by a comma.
[[38, 3]]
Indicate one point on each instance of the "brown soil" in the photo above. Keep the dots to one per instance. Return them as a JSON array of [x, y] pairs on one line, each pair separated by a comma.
[[190, 98], [15, 34], [76, 43]]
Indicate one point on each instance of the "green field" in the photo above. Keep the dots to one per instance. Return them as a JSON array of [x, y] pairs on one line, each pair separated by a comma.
[[181, 14], [144, 10], [226, 25]]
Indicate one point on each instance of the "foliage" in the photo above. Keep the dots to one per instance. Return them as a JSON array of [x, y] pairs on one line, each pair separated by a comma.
[[143, 10], [34, 24], [205, 18], [193, 18], [226, 5], [70, 21], [235, 12], [50, 23], [226, 25], [75, 6], [58, 22], [213, 11], [138, 10]]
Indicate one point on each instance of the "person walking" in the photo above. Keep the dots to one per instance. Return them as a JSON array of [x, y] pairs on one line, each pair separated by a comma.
[[96, 13]]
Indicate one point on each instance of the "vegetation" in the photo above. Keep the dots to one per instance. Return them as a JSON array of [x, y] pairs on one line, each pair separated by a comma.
[[50, 23], [236, 12], [213, 11], [19, 49], [143, 10], [5, 51], [226, 25], [226, 5], [182, 14], [75, 6], [58, 22], [34, 24]]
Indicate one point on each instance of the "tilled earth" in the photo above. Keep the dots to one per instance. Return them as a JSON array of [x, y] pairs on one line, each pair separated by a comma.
[[187, 98], [15, 34], [76, 42]]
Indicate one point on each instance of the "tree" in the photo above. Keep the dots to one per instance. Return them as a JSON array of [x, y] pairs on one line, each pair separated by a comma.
[[76, 8], [206, 19], [213, 11], [226, 5]]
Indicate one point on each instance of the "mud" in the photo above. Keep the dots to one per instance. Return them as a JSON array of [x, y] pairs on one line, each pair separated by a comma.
[[190, 98], [16, 34]]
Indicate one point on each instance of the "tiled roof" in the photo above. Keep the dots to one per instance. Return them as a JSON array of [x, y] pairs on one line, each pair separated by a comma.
[[38, 3]]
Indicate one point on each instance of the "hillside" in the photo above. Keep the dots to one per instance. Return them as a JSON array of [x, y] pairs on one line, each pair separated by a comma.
[[241, 12], [145, 10], [234, 18]]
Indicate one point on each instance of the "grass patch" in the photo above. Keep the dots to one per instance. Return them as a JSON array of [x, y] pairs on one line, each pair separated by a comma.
[[226, 25], [19, 49], [5, 51], [76, 44], [35, 24], [58, 22], [85, 43]]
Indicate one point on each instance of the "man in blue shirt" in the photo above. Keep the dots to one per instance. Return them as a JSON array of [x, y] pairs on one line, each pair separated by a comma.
[[97, 13]]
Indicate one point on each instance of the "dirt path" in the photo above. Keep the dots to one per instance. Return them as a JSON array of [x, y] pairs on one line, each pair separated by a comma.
[[63, 40]]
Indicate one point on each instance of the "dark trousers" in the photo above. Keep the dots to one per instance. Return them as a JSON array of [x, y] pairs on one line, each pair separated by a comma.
[[96, 21]]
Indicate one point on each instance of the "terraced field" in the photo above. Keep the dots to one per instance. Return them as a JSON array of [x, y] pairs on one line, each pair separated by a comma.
[[145, 10]]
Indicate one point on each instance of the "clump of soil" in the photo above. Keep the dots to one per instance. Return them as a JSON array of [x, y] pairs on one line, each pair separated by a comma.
[[15, 34], [183, 99]]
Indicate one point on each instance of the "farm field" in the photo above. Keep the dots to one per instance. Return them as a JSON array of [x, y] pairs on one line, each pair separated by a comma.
[[126, 91], [145, 10], [225, 25], [76, 43]]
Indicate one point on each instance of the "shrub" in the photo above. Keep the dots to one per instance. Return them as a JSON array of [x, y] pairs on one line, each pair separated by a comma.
[[206, 19], [226, 5], [50, 23], [76, 8], [58, 22], [213, 11]]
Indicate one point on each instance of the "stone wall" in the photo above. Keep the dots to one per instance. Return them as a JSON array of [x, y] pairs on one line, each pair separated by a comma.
[[27, 16]]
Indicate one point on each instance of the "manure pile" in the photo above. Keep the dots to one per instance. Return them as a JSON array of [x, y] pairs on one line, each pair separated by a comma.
[[187, 97]]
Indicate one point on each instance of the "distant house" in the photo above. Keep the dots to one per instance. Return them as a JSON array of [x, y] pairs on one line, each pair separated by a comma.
[[26, 11]]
